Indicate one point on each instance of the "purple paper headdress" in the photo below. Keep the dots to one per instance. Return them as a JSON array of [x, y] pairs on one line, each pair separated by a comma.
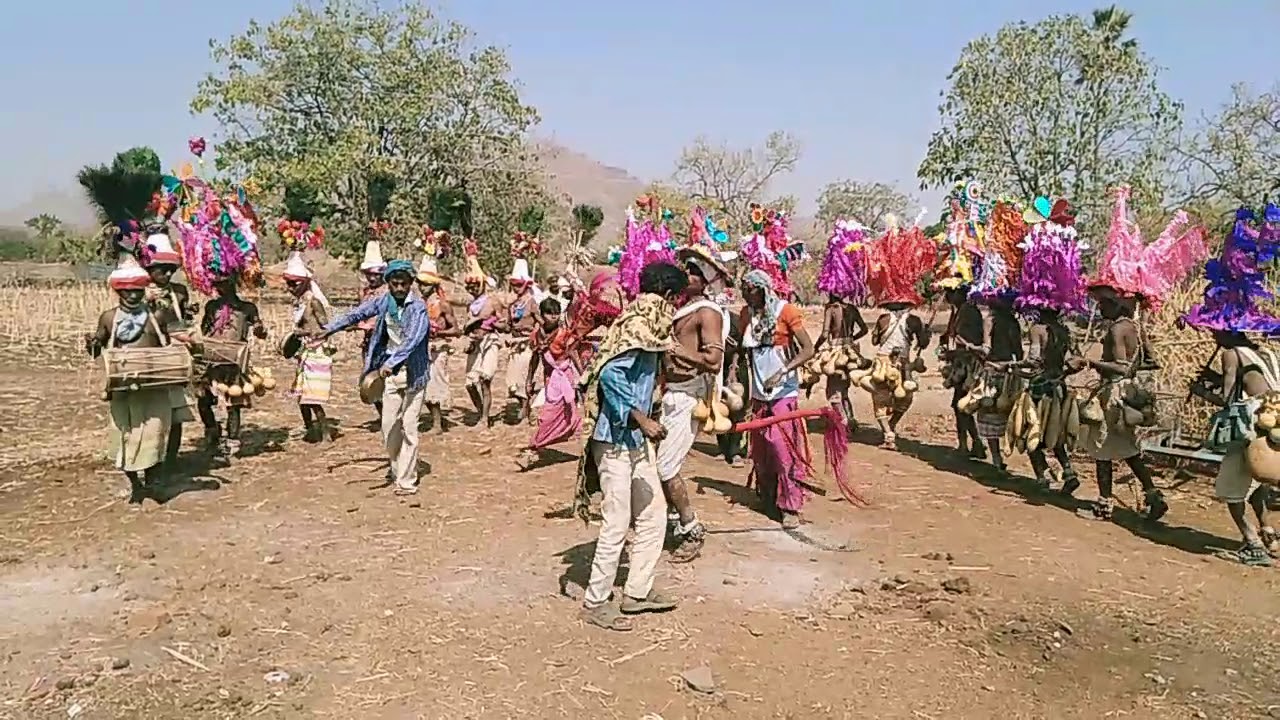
[[1052, 269], [844, 269], [1236, 282]]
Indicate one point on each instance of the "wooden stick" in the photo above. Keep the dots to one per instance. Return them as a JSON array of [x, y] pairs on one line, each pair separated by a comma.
[[183, 658]]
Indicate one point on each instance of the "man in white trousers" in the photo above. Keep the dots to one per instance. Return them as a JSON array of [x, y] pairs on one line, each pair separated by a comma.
[[398, 353]]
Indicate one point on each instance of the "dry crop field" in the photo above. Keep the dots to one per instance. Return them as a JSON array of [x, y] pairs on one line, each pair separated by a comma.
[[294, 585]]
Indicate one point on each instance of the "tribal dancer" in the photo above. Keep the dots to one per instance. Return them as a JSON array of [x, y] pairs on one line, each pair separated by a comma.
[[161, 262], [371, 269], [897, 262], [692, 373], [844, 279], [558, 418], [230, 317], [313, 383], [140, 418], [1132, 275], [1051, 287], [1232, 312], [776, 344], [444, 327], [995, 288], [521, 319], [618, 460], [481, 329], [958, 348]]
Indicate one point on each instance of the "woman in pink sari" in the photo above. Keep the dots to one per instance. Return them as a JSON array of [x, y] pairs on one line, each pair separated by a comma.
[[558, 418]]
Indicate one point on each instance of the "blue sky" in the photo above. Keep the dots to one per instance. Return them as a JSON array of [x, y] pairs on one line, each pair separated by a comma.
[[626, 83]]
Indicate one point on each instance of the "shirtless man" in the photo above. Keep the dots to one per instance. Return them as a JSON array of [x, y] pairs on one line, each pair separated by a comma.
[[1121, 348], [520, 321], [901, 335], [842, 325], [443, 328], [1050, 363], [961, 341], [482, 354], [691, 368], [1001, 351]]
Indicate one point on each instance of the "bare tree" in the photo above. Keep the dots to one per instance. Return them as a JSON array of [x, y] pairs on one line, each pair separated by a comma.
[[727, 180], [866, 202], [1234, 156]]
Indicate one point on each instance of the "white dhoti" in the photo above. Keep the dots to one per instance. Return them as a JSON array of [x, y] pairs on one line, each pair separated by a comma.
[[518, 369], [437, 392], [1121, 441], [678, 403], [482, 360]]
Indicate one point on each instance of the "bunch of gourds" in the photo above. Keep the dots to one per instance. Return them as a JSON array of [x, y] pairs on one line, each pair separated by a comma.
[[1262, 456], [884, 376], [838, 361], [713, 412], [255, 381]]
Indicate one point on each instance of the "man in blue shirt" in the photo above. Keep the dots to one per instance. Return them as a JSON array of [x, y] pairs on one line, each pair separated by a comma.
[[619, 404], [398, 353]]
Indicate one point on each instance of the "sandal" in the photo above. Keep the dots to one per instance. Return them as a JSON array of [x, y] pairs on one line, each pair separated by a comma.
[[654, 602], [1270, 540], [1252, 555], [790, 520], [689, 549], [605, 616], [1103, 508]]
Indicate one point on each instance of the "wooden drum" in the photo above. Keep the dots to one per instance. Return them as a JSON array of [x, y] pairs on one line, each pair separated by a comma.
[[214, 352], [139, 368]]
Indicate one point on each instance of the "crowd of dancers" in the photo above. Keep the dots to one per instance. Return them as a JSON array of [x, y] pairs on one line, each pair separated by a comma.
[[692, 333]]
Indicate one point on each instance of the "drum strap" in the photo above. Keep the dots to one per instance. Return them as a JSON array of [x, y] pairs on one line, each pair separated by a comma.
[[151, 320]]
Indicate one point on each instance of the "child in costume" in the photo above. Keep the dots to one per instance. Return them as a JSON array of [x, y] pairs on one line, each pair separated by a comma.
[[1132, 275], [844, 279], [897, 263], [161, 261], [313, 381], [558, 417], [221, 247], [995, 288], [1051, 288], [1232, 312]]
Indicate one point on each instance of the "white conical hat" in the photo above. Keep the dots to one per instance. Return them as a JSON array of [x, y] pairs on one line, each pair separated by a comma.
[[160, 250], [428, 270], [520, 271], [373, 256], [295, 268], [128, 275]]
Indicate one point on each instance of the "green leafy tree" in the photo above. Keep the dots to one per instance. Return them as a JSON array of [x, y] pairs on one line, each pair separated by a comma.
[[333, 95], [866, 202], [1067, 106], [1233, 158], [726, 180]]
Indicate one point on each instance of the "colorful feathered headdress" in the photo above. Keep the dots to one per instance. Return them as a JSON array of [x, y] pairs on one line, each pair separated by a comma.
[[844, 269], [219, 235], [1052, 276], [770, 247], [649, 240], [1236, 281], [897, 262], [1001, 256], [299, 230], [962, 247], [1134, 269], [122, 194]]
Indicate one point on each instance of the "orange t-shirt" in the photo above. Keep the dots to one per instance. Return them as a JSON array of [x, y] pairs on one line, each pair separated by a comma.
[[790, 321]]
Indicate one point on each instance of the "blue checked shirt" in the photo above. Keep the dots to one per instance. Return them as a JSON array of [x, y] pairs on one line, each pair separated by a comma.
[[415, 327], [626, 382]]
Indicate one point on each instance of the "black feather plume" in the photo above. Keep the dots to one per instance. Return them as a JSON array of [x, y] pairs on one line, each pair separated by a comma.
[[382, 186]]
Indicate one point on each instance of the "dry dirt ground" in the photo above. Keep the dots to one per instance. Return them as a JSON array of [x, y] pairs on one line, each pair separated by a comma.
[[293, 584]]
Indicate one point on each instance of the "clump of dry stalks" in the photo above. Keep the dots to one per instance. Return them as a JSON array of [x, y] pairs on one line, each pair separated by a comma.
[[1181, 353]]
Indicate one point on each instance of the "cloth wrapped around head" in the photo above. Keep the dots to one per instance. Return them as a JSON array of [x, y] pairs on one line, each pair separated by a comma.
[[395, 266], [1236, 283], [844, 269], [764, 321], [1133, 269]]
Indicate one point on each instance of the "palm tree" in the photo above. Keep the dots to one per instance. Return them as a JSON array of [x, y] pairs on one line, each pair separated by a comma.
[[1113, 22]]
